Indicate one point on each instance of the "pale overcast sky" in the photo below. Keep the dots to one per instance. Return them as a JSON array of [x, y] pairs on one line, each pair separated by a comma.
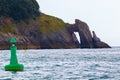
[[102, 16]]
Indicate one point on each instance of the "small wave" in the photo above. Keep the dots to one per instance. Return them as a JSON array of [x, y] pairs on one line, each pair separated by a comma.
[[104, 77], [93, 79], [6, 79]]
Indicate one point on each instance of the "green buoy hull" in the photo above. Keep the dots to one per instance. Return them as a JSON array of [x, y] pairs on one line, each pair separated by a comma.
[[14, 67]]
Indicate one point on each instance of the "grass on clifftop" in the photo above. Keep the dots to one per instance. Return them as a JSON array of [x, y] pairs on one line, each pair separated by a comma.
[[44, 24], [50, 24]]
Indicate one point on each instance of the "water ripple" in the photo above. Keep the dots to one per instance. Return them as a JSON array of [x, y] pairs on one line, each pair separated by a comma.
[[64, 64]]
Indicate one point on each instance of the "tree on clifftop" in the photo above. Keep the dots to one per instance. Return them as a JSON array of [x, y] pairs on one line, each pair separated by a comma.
[[19, 9]]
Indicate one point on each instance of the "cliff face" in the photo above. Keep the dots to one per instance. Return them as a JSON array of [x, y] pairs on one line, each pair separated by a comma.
[[47, 32]]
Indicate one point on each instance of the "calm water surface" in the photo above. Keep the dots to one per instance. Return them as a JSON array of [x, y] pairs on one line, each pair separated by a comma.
[[64, 64]]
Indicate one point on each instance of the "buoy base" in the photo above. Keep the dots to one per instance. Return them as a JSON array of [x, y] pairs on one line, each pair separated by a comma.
[[14, 67]]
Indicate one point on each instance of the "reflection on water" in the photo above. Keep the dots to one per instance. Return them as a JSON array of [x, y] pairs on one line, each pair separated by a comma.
[[64, 64]]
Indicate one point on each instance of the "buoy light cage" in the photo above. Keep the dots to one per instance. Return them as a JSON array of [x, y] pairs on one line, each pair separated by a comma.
[[14, 65]]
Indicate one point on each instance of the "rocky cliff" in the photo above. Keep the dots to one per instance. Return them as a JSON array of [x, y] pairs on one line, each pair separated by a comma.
[[47, 32]]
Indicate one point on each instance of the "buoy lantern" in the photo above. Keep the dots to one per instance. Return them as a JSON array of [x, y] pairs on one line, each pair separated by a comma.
[[14, 66]]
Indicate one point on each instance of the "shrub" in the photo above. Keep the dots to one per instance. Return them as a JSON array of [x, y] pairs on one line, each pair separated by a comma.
[[19, 9]]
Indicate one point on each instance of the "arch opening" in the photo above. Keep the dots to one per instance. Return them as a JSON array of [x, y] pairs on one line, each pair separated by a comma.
[[77, 36]]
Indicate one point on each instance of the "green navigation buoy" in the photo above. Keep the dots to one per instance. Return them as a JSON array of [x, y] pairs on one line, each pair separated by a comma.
[[14, 66]]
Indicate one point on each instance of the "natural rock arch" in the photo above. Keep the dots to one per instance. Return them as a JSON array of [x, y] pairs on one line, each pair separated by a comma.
[[84, 33]]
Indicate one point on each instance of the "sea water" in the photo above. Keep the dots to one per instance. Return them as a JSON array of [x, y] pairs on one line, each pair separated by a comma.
[[63, 64]]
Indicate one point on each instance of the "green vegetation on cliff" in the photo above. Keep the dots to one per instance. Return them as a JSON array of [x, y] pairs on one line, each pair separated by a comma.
[[27, 15], [43, 23], [50, 24], [7, 26], [19, 9]]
